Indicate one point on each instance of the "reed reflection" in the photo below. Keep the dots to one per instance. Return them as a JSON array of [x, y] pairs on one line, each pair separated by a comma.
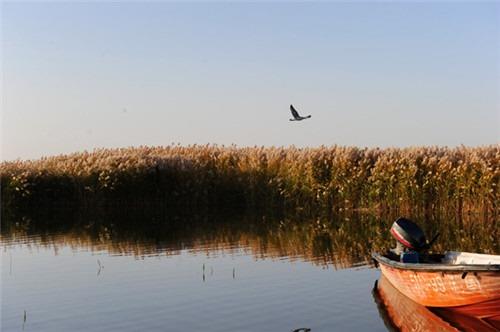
[[340, 242]]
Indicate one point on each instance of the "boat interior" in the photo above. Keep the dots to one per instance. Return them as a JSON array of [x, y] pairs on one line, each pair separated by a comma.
[[451, 258]]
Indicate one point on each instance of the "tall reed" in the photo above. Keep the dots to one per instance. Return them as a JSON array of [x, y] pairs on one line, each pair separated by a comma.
[[310, 181]]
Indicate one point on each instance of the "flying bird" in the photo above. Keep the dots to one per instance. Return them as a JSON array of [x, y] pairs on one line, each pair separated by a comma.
[[296, 116]]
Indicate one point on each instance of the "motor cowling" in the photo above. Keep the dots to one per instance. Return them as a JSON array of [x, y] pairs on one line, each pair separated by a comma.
[[408, 234]]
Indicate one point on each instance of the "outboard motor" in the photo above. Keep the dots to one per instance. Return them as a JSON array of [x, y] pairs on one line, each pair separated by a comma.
[[410, 240], [409, 234]]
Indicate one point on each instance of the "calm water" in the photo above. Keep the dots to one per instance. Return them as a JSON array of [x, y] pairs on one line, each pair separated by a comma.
[[203, 276]]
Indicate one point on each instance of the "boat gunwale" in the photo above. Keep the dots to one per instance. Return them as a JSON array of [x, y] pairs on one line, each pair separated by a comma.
[[435, 267]]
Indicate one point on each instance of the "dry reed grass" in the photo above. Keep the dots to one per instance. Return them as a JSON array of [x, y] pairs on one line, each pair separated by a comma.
[[305, 180]]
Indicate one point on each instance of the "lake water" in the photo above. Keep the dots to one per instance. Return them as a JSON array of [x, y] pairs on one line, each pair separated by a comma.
[[191, 276]]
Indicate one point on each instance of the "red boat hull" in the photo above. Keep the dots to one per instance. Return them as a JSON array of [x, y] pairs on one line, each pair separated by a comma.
[[444, 288], [436, 284], [406, 315]]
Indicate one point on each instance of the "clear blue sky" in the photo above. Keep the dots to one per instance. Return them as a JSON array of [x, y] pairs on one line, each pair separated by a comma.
[[85, 75]]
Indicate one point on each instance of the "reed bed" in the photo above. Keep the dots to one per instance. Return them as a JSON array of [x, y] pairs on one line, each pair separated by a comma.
[[308, 181]]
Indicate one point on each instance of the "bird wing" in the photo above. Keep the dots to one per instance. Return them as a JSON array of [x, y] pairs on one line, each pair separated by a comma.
[[294, 112]]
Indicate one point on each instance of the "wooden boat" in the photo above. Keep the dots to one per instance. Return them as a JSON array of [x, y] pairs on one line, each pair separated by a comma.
[[402, 314], [438, 280], [449, 280]]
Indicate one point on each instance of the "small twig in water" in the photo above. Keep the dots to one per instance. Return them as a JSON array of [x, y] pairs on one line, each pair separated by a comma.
[[100, 267]]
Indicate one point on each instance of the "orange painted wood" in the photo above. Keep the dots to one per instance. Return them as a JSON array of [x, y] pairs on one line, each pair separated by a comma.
[[444, 289], [407, 315], [486, 309]]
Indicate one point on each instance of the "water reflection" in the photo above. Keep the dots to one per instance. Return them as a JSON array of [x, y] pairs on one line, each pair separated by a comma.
[[336, 244], [340, 241], [224, 269]]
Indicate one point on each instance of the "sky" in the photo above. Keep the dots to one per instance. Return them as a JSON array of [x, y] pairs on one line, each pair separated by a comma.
[[79, 76]]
